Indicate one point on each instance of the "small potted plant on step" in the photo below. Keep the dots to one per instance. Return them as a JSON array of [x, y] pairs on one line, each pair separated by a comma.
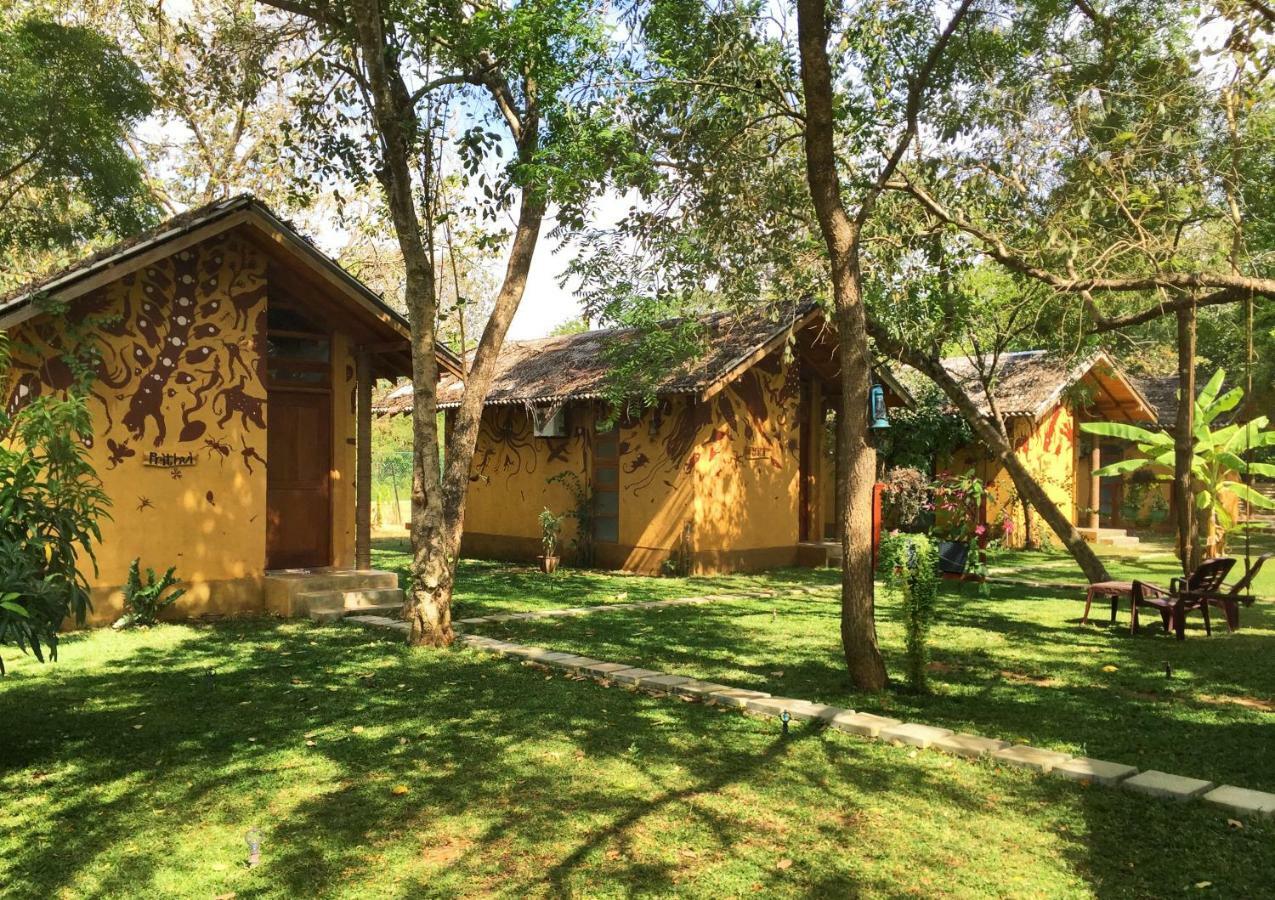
[[550, 528]]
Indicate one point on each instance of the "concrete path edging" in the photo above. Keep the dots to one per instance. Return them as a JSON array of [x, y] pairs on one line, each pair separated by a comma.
[[1235, 801]]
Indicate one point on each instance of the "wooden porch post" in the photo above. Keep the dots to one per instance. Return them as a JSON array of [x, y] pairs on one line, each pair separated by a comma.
[[1095, 486], [363, 470]]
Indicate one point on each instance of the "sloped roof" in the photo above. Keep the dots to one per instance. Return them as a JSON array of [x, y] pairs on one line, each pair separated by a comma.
[[577, 366], [123, 256], [1029, 383], [1162, 392]]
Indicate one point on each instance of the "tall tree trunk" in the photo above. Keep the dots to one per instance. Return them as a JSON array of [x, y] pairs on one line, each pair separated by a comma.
[[438, 497], [396, 122], [856, 461], [433, 598], [1184, 444], [1029, 489]]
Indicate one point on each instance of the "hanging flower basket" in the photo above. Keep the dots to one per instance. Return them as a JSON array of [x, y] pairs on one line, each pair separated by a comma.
[[953, 557]]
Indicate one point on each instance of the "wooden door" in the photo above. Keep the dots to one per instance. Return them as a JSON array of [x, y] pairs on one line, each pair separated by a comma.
[[299, 479], [1111, 488]]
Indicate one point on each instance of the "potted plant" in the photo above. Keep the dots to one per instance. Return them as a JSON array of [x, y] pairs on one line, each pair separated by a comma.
[[550, 528], [958, 504]]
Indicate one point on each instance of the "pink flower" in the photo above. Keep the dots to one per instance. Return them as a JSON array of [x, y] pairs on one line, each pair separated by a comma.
[[1009, 527], [980, 530]]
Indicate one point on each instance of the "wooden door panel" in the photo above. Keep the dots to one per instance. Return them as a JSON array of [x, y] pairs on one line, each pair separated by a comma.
[[299, 480]]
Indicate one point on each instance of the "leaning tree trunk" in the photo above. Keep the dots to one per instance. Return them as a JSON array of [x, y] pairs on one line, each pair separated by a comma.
[[1029, 489], [463, 436], [1184, 444], [856, 462]]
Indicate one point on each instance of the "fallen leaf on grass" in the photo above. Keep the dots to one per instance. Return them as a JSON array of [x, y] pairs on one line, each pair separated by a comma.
[[311, 743], [399, 790], [357, 729], [784, 864], [1110, 669], [1235, 823]]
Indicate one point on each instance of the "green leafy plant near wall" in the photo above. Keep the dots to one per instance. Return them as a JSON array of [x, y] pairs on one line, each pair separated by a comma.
[[50, 504], [582, 512], [1219, 458], [144, 601], [911, 566], [550, 529]]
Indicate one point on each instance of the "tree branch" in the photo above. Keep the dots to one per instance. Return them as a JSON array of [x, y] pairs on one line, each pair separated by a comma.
[[998, 250], [917, 87]]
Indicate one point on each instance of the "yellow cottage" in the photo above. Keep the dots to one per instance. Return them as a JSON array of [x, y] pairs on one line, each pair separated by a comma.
[[231, 408], [730, 470], [1043, 398]]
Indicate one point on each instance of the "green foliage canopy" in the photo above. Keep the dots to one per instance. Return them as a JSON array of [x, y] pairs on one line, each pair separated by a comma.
[[68, 97]]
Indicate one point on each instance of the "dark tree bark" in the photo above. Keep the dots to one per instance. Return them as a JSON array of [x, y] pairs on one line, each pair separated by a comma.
[[856, 460], [1184, 443]]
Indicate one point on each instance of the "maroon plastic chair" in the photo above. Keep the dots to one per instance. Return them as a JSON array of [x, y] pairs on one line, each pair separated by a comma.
[[1182, 596], [1229, 597]]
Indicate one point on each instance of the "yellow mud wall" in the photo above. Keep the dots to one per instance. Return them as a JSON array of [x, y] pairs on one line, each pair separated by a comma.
[[509, 481], [724, 472], [722, 475], [1048, 451], [182, 374], [344, 450]]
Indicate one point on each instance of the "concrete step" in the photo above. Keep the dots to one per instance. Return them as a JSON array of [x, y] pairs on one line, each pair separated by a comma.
[[1109, 537], [351, 600], [290, 592], [389, 609]]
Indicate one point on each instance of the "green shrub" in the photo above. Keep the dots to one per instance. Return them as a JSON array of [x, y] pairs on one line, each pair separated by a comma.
[[50, 504], [143, 602], [911, 566]]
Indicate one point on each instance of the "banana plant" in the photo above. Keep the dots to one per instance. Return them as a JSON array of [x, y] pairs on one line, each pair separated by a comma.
[[1218, 461]]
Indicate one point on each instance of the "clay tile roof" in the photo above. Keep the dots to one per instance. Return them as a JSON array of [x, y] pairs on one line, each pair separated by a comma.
[[120, 252], [1030, 382], [178, 223], [1162, 392], [1025, 380], [576, 366]]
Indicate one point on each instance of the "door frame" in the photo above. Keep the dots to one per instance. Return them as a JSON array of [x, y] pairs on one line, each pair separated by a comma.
[[274, 389]]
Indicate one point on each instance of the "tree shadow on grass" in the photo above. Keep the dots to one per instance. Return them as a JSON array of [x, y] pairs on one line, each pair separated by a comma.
[[489, 752], [1035, 681]]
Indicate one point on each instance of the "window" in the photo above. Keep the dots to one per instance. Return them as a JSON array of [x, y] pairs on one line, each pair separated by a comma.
[[606, 485], [298, 352]]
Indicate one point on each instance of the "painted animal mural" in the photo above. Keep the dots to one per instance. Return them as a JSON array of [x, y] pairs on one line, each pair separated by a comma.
[[181, 352], [750, 422]]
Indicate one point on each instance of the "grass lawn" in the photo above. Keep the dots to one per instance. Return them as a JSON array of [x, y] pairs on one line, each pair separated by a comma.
[[1015, 665], [1153, 560], [371, 770], [484, 587]]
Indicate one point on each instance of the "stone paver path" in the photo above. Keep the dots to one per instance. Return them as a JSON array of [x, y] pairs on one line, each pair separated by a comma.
[[1234, 800]]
